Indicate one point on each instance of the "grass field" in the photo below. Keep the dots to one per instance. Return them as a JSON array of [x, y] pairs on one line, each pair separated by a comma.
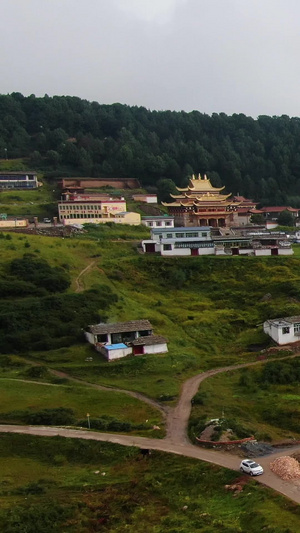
[[57, 484], [33, 397], [208, 308], [250, 405]]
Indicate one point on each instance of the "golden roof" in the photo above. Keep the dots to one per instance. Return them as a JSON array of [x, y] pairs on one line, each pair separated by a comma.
[[208, 197], [200, 184]]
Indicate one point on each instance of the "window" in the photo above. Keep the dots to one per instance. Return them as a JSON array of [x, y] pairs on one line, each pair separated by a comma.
[[297, 327], [203, 234], [169, 235], [158, 223], [179, 235], [167, 247], [193, 234], [150, 224], [168, 223], [285, 330]]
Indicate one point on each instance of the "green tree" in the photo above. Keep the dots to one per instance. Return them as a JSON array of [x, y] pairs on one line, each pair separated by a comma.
[[286, 219], [165, 187]]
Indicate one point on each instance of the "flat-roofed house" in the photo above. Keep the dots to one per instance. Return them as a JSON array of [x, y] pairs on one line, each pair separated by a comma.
[[116, 340], [283, 330], [19, 180], [158, 221]]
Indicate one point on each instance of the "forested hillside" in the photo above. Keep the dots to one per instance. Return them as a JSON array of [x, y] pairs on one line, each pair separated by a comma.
[[66, 135]]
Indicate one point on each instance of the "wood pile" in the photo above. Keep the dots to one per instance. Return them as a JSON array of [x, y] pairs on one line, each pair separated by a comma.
[[286, 467]]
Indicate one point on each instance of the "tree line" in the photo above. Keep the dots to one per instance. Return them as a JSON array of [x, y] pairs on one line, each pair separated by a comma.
[[259, 158]]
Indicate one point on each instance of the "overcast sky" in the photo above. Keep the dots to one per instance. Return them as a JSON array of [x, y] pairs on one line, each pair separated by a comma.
[[232, 56]]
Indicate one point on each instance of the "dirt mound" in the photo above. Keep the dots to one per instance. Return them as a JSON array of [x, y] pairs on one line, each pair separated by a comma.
[[286, 467]]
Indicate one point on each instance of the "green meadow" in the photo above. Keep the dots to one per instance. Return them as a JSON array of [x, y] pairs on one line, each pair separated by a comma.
[[261, 401], [210, 309], [30, 398], [57, 484]]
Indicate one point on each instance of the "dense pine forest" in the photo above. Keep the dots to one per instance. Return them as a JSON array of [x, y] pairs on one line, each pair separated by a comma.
[[64, 135]]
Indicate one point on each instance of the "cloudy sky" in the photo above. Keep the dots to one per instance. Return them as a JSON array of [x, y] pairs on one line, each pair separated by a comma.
[[232, 56]]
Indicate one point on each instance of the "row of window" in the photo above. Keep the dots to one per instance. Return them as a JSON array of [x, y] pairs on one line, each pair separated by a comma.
[[78, 207], [83, 215], [286, 329], [188, 245], [188, 234], [17, 178], [159, 223]]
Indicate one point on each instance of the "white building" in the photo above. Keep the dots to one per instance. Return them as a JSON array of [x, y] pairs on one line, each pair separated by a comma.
[[158, 221], [283, 330], [116, 340], [147, 198], [193, 241], [92, 209], [180, 241], [19, 180]]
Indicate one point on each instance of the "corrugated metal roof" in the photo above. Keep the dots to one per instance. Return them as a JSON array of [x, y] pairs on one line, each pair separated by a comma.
[[149, 340], [121, 327]]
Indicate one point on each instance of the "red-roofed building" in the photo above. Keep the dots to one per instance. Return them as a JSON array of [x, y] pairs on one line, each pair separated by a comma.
[[272, 213]]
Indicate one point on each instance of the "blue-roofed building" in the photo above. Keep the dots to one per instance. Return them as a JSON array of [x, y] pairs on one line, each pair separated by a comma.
[[114, 351], [116, 340]]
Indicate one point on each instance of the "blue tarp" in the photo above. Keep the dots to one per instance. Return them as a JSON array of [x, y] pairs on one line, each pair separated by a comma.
[[115, 346]]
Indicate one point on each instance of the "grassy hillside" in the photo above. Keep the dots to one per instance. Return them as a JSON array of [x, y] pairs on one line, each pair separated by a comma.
[[55, 484], [261, 401], [211, 309]]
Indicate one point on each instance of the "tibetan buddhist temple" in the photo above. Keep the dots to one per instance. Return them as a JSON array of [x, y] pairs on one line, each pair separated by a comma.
[[201, 204]]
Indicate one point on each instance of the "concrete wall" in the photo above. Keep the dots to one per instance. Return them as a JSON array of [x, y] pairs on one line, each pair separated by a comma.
[[118, 183], [264, 251], [111, 355], [285, 251], [133, 219], [14, 223], [186, 251], [278, 336], [156, 348], [145, 198], [89, 337]]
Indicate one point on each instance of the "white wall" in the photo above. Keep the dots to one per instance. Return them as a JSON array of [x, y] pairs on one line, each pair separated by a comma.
[[263, 251], [89, 337], [176, 251], [276, 334], [285, 251], [156, 348], [111, 355]]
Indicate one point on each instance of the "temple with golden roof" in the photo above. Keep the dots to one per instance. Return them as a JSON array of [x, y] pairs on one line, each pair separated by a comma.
[[201, 204]]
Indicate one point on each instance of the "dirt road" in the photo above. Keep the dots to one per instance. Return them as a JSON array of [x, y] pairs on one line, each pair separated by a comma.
[[176, 440], [224, 459]]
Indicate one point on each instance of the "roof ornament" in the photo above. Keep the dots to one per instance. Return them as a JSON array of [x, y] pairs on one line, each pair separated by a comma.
[[205, 177], [199, 176]]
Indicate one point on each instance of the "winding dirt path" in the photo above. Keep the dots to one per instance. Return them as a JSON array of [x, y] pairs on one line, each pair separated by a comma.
[[163, 409], [176, 440], [78, 283], [223, 459]]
